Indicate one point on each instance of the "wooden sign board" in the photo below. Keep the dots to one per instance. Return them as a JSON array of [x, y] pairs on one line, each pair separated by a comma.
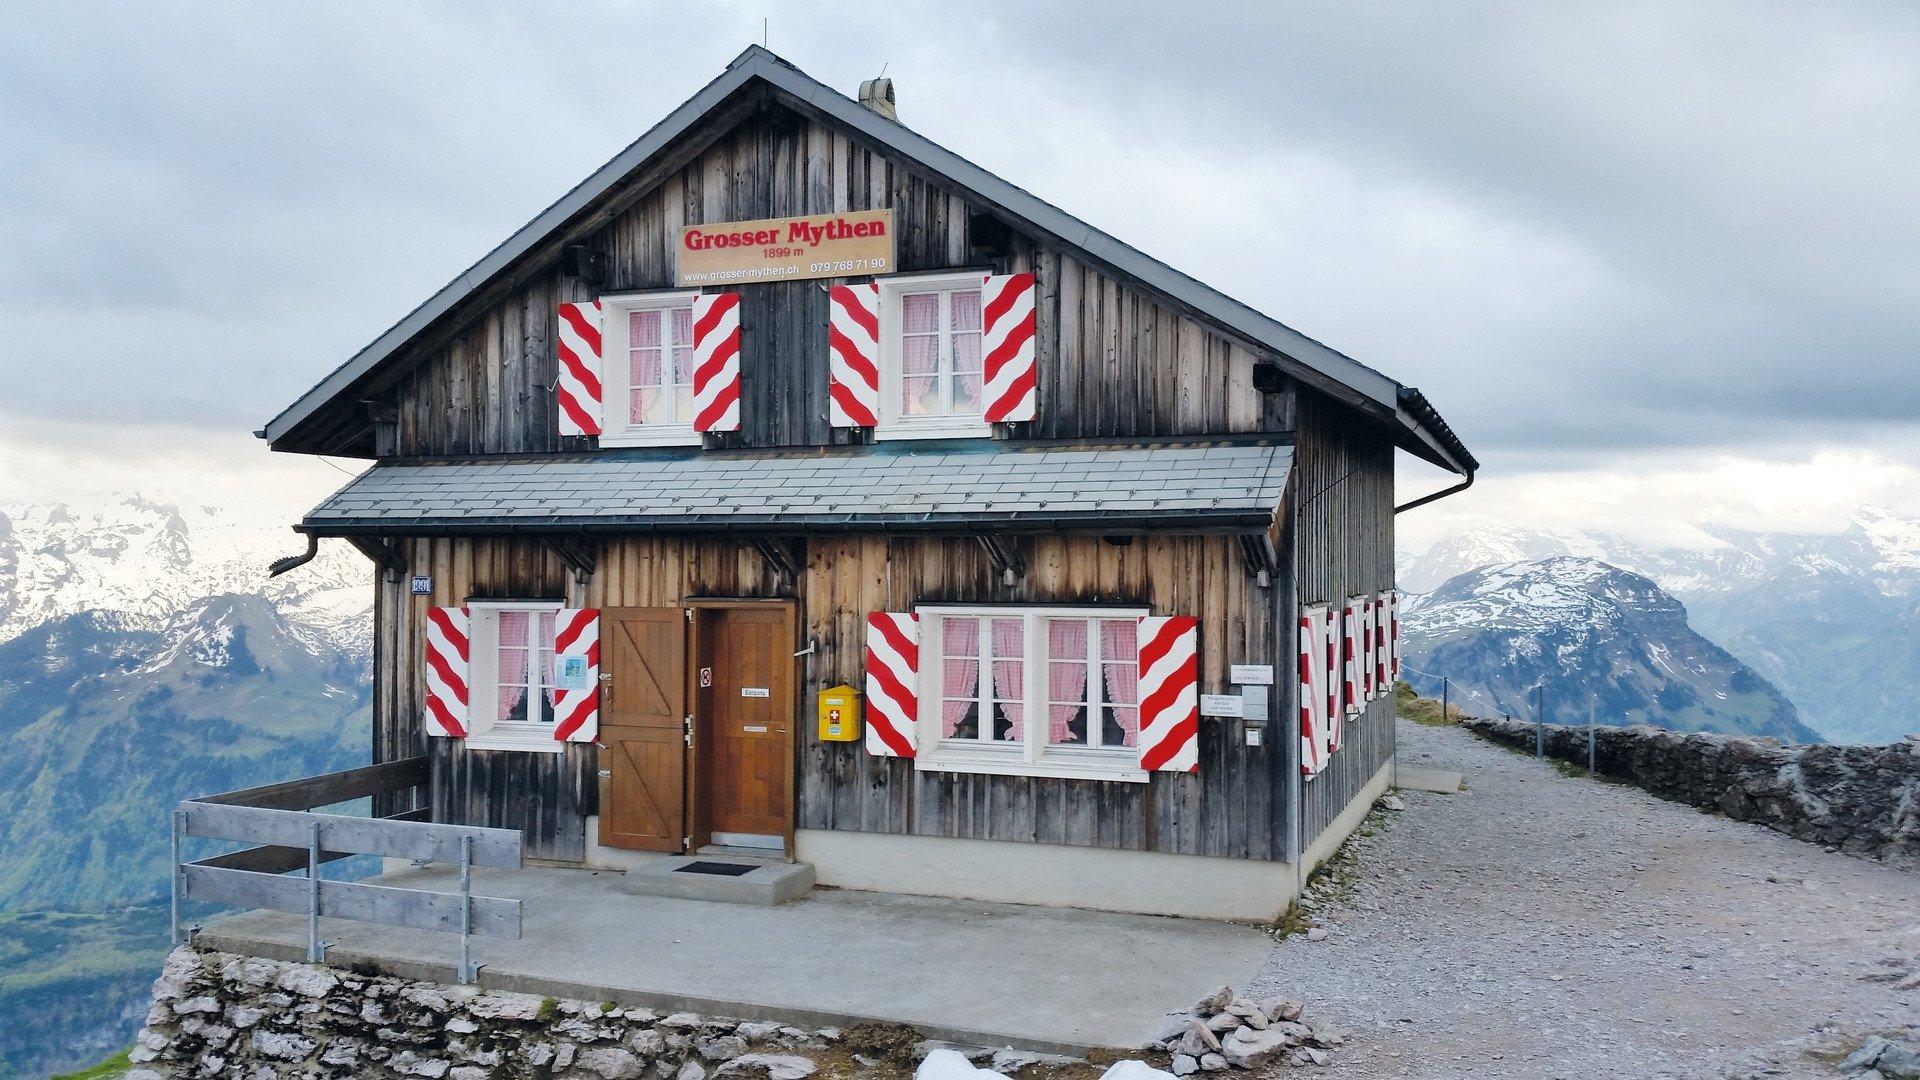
[[717, 256]]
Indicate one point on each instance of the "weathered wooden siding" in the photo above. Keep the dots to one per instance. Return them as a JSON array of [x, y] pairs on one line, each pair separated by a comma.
[[1112, 361], [1341, 505], [544, 795], [1232, 807]]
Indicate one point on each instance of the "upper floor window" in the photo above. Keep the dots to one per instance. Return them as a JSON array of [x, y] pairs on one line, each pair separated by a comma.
[[930, 350], [649, 370]]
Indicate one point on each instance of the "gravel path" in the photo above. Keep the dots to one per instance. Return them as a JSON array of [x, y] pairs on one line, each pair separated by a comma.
[[1545, 926]]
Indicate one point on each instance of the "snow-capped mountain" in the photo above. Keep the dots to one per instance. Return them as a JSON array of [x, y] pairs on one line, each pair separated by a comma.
[[1832, 619], [141, 565], [1596, 637]]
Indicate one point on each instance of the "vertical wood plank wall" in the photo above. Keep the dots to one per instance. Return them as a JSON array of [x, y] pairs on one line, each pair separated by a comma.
[[1341, 501], [1112, 361], [1232, 807]]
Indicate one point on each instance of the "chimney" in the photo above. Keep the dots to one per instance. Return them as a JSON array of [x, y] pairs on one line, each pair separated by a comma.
[[877, 94]]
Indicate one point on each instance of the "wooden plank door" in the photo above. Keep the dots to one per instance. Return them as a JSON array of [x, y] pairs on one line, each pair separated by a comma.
[[744, 722], [643, 760]]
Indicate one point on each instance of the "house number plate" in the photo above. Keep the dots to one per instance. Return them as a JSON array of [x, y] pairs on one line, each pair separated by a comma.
[[755, 691]]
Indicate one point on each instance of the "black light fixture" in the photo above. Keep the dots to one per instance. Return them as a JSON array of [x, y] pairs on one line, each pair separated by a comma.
[[1268, 378], [581, 261], [988, 235]]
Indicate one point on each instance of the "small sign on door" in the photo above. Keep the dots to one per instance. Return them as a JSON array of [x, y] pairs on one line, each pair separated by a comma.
[[755, 691], [706, 677]]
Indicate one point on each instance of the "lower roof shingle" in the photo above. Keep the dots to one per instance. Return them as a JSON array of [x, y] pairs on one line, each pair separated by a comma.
[[1190, 487]]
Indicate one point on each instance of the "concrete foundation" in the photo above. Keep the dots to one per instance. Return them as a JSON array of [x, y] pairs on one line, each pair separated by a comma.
[[1142, 882]]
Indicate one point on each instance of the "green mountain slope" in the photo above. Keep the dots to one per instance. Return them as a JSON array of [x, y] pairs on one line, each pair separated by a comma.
[[104, 730]]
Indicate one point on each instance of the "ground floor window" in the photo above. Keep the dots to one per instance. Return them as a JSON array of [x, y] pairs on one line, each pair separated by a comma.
[[1050, 691], [513, 684]]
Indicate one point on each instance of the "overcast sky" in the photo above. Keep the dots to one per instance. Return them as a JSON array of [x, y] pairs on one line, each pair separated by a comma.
[[1659, 264]]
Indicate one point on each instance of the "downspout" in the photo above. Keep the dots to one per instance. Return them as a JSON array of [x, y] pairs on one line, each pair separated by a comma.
[[1438, 495], [294, 562]]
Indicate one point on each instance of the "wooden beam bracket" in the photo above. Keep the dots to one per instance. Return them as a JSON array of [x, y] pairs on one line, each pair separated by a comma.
[[385, 553], [1260, 557], [577, 554], [1005, 559], [779, 556]]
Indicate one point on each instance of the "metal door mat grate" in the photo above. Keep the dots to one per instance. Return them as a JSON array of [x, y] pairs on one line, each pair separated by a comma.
[[723, 869]]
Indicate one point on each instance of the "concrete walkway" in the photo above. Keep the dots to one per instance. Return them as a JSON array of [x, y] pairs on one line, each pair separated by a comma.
[[992, 974]]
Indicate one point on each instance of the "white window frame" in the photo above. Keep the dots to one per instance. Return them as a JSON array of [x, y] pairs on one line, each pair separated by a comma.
[[1032, 756], [892, 425], [615, 376], [483, 692]]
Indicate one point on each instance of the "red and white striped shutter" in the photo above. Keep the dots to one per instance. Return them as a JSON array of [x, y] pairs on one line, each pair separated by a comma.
[[1169, 693], [449, 671], [578, 387], [1007, 331], [1336, 680], [893, 682], [1383, 643], [576, 712], [716, 362], [1354, 694], [853, 347], [1313, 690], [1393, 632], [1367, 685]]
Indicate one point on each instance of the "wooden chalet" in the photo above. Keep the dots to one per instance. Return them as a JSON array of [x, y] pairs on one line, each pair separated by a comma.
[[793, 486]]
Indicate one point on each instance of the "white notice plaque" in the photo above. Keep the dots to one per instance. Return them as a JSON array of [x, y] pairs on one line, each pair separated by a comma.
[[1250, 674], [755, 691], [1221, 705]]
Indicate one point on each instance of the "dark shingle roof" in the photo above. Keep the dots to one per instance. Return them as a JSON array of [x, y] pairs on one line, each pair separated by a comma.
[[1185, 488]]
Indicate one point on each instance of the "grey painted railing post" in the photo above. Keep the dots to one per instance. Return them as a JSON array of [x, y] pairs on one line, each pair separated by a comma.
[[1444, 688], [173, 915], [316, 949], [467, 970]]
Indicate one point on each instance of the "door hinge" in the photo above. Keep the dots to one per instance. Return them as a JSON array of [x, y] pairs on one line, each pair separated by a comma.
[[689, 730], [689, 612], [686, 843]]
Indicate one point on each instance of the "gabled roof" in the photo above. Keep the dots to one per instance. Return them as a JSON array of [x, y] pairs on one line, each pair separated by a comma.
[[983, 484], [1324, 368]]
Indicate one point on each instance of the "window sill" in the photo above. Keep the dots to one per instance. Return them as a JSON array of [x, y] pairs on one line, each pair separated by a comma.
[[937, 429], [530, 742], [666, 436], [1058, 765]]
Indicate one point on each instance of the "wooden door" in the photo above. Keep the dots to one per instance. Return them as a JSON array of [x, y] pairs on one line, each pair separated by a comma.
[[744, 724], [643, 728]]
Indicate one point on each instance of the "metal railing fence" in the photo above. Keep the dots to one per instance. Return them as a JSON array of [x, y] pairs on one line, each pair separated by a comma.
[[288, 835]]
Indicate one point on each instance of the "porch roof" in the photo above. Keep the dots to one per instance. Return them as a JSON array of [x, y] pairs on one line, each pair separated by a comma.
[[1222, 486]]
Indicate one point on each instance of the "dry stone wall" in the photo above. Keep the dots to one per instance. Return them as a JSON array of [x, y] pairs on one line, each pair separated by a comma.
[[219, 1015], [1863, 800]]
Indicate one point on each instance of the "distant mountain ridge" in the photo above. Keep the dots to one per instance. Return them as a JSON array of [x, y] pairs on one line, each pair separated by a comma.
[[1832, 619], [1601, 641], [145, 657]]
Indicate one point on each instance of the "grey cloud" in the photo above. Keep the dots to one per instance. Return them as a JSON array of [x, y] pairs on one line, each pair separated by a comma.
[[1582, 228]]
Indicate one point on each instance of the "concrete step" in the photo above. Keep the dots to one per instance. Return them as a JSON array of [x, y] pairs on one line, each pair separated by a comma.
[[749, 881]]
